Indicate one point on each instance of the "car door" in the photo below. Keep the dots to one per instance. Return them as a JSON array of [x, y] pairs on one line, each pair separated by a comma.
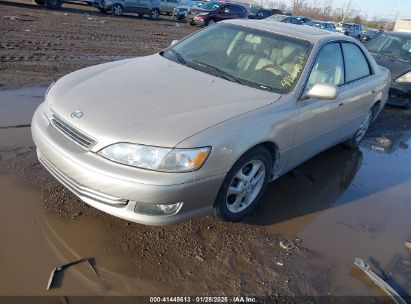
[[131, 5], [320, 120], [226, 12], [358, 94], [144, 6]]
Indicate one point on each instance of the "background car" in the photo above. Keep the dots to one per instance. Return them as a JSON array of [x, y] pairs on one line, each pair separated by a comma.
[[368, 34], [263, 13], [393, 51], [219, 12], [141, 7], [299, 20], [321, 25], [351, 29], [168, 6], [181, 12]]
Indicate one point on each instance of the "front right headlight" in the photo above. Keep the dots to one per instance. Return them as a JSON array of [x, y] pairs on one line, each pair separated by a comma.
[[406, 78], [156, 158]]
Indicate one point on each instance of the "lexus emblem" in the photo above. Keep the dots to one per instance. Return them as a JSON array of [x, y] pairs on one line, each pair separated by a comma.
[[77, 114]]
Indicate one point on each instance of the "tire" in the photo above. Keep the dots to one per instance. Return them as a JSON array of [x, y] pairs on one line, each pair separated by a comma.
[[154, 14], [141, 15], [103, 10], [358, 136], [211, 22], [39, 2], [53, 4], [247, 187], [117, 10]]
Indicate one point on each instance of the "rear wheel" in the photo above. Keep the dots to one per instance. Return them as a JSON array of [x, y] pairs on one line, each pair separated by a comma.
[[154, 14], [53, 4], [117, 10], [244, 185], [355, 141]]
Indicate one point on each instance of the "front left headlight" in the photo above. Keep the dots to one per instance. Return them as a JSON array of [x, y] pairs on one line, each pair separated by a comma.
[[156, 158], [406, 78]]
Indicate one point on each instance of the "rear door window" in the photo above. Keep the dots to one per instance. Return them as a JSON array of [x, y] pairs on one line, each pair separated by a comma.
[[356, 64]]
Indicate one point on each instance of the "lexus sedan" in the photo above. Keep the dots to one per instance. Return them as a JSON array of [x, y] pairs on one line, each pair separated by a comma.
[[135, 138], [393, 51]]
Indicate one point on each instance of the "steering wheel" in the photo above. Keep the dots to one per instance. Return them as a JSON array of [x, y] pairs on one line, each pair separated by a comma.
[[282, 71]]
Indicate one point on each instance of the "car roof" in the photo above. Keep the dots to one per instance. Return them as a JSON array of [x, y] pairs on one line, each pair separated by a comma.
[[309, 33], [399, 34]]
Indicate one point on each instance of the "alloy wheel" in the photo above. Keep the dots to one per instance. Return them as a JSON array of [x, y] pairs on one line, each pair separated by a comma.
[[245, 186]]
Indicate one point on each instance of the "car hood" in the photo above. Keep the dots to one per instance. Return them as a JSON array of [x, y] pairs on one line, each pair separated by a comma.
[[397, 67], [150, 100]]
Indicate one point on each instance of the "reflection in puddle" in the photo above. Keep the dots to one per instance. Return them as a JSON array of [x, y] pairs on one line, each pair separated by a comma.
[[346, 204]]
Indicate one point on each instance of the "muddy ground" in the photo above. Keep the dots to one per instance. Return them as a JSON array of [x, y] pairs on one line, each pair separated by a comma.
[[341, 204]]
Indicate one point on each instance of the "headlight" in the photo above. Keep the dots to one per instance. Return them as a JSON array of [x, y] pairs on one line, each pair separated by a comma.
[[404, 78], [156, 158], [202, 14], [48, 89]]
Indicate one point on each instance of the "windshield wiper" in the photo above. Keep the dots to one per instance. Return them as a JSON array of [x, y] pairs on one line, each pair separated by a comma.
[[178, 56], [219, 72]]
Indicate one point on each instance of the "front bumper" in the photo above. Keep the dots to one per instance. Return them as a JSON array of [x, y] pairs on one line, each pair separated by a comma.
[[399, 94], [101, 184], [194, 20]]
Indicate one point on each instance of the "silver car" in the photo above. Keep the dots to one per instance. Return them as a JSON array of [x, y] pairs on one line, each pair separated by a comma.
[[140, 7], [206, 124]]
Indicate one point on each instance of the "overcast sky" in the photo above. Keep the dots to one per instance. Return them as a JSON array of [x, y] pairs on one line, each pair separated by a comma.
[[386, 9]]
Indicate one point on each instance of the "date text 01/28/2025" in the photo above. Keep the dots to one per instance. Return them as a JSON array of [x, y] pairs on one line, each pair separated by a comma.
[[239, 299]]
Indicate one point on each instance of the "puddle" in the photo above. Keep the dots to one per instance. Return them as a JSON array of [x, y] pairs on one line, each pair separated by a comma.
[[346, 204], [26, 258], [16, 110]]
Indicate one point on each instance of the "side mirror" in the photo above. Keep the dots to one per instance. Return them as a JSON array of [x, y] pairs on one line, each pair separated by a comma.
[[323, 91], [173, 42]]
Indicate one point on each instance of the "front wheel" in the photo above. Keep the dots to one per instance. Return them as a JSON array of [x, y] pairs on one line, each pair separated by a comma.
[[117, 10], [154, 14], [244, 185], [355, 141], [211, 22]]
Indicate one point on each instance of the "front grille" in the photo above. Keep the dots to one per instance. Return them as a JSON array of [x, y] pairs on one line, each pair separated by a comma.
[[72, 133]]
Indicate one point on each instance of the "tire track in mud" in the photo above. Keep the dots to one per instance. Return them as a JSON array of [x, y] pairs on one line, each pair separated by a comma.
[[88, 58]]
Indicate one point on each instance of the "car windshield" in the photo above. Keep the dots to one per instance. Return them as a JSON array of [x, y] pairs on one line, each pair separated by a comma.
[[392, 46], [251, 57], [278, 18], [314, 23], [210, 6], [348, 26]]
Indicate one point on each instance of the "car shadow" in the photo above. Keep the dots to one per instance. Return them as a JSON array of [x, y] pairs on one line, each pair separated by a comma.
[[311, 187]]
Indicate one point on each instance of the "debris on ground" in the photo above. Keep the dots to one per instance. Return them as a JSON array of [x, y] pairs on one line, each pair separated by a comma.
[[360, 263], [407, 245], [64, 266]]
